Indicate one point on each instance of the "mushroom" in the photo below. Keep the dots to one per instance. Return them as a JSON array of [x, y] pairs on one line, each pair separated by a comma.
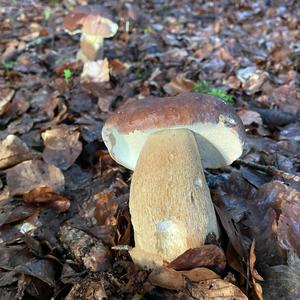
[[95, 23], [167, 142]]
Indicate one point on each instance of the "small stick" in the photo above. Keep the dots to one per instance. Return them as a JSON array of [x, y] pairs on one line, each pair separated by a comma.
[[270, 170]]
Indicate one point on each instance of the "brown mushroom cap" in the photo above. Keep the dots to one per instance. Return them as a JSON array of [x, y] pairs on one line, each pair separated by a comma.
[[218, 130], [91, 20]]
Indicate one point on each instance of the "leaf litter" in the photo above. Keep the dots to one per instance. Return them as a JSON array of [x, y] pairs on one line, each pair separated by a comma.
[[64, 217]]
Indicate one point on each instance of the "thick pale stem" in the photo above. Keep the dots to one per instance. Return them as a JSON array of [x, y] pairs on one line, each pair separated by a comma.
[[170, 204], [91, 48]]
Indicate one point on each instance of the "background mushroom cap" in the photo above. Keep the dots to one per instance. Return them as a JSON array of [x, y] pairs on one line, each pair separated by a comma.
[[219, 132], [91, 20]]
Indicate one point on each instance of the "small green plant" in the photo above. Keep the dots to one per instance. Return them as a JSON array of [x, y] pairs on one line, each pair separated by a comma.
[[47, 14], [67, 74], [146, 30], [202, 87]]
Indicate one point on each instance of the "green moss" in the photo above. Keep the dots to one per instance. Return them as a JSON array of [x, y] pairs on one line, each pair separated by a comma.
[[202, 87]]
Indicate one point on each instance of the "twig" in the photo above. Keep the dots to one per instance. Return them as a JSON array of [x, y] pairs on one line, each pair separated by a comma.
[[270, 170]]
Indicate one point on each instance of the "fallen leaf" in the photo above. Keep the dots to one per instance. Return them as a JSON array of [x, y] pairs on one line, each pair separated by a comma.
[[282, 281], [118, 68], [13, 151], [216, 289], [209, 256], [43, 269], [167, 278], [179, 85], [6, 97], [254, 274], [288, 223], [32, 174], [200, 274], [14, 211], [47, 195], [252, 79], [62, 146], [21, 125], [106, 208], [13, 256], [175, 55]]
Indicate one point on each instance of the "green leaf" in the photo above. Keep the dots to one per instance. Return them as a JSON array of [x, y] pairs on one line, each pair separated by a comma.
[[67, 74]]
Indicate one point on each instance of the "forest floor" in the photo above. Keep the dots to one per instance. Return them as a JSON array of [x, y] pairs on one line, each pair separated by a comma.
[[64, 201]]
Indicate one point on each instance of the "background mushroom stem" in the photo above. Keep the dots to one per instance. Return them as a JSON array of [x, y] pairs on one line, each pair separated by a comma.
[[91, 48], [170, 204]]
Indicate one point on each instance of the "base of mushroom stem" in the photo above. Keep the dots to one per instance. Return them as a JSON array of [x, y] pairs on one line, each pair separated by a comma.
[[145, 260], [151, 261]]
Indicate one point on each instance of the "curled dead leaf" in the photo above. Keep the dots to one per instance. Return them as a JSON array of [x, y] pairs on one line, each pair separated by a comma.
[[257, 289], [209, 256]]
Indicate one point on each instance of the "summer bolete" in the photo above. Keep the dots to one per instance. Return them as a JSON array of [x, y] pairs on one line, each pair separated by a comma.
[[95, 23], [167, 142]]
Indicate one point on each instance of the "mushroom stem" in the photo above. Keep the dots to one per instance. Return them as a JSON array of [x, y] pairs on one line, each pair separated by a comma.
[[90, 48], [170, 204]]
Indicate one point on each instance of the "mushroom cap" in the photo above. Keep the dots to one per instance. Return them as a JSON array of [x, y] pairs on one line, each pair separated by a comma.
[[90, 20], [218, 130]]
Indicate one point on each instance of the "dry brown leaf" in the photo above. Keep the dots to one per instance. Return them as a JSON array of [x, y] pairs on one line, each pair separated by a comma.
[[105, 101], [62, 146], [288, 223], [29, 175], [175, 55], [252, 79], [47, 195], [282, 281], [179, 85], [118, 67], [204, 51], [209, 256], [255, 276], [106, 208], [6, 96], [234, 261], [200, 274], [13, 151], [249, 118], [167, 278], [216, 289], [252, 260]]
